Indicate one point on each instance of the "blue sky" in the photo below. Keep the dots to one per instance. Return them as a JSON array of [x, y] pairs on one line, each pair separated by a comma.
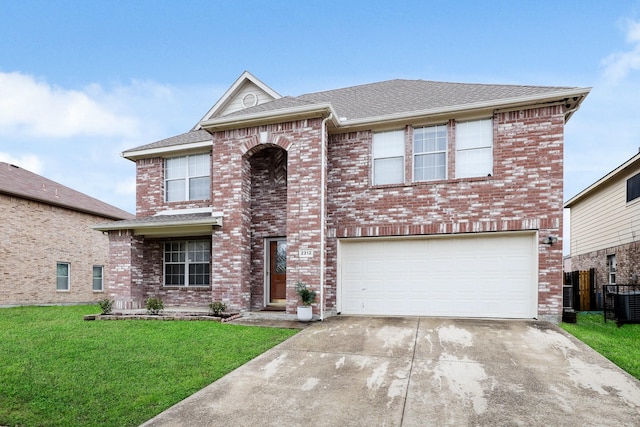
[[81, 81]]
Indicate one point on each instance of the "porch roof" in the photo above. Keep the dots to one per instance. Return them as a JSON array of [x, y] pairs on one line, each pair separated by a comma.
[[183, 225]]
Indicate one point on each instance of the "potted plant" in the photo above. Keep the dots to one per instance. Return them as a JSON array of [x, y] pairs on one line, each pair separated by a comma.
[[307, 297]]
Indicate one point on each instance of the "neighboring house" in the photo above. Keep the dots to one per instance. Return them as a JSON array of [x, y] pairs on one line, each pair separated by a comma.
[[605, 226], [403, 197], [50, 254]]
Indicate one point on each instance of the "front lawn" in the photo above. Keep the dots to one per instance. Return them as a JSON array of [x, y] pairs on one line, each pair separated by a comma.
[[620, 345], [57, 369]]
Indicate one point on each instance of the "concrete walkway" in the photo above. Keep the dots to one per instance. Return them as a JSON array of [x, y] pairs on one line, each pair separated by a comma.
[[357, 371]]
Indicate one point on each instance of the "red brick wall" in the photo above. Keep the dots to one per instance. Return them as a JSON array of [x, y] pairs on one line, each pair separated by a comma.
[[232, 187], [125, 269], [153, 279], [524, 193], [268, 211], [150, 190]]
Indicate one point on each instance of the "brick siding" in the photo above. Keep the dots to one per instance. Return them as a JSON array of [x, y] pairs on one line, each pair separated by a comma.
[[34, 238], [523, 193], [627, 264]]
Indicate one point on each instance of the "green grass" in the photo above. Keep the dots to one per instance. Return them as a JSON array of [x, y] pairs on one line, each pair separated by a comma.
[[620, 345], [58, 370]]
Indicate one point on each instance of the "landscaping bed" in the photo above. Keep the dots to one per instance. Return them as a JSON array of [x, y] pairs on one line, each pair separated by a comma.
[[223, 317]]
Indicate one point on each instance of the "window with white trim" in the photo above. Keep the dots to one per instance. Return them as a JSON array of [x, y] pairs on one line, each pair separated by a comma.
[[187, 178], [388, 157], [430, 153], [187, 263], [474, 148], [611, 268], [98, 278], [63, 270]]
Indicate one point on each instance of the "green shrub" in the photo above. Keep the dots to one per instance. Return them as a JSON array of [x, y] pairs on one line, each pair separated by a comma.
[[217, 307], [106, 306], [154, 305], [307, 296]]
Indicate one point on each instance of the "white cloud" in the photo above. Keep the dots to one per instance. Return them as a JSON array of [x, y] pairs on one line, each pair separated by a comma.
[[126, 187], [618, 65], [38, 109], [30, 162]]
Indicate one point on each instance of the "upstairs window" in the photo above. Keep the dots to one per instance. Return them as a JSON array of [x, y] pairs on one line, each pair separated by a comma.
[[187, 178], [633, 188], [474, 148], [430, 153], [388, 157]]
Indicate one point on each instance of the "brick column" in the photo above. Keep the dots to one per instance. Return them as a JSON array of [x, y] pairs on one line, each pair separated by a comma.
[[125, 269]]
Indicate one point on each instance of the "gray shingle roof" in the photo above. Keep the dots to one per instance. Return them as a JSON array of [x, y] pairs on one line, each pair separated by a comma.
[[183, 138], [19, 182], [402, 96], [377, 100], [160, 220]]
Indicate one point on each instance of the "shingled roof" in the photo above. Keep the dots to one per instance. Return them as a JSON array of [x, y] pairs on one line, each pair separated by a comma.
[[18, 182], [401, 96], [381, 102]]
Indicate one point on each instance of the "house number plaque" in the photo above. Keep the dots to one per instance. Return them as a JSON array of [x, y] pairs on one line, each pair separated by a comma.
[[305, 253]]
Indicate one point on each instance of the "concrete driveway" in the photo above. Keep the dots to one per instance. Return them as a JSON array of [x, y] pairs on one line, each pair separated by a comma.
[[361, 371]]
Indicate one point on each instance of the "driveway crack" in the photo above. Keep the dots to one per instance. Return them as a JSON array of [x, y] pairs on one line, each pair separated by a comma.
[[413, 358]]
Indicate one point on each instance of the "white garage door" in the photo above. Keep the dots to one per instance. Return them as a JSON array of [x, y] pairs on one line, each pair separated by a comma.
[[483, 275]]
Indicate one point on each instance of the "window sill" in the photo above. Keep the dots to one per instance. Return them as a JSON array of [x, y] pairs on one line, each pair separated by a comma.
[[187, 288], [434, 182]]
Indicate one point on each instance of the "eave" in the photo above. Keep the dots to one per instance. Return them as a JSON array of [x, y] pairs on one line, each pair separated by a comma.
[[171, 226], [170, 150], [614, 174], [571, 98], [265, 117]]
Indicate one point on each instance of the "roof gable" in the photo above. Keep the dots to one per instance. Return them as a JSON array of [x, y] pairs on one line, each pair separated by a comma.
[[18, 182], [633, 164], [403, 100], [246, 92], [367, 106]]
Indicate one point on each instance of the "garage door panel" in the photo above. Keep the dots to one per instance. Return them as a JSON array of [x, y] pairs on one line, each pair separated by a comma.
[[480, 276]]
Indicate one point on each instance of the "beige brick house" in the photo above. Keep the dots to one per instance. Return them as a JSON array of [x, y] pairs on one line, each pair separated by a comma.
[[402, 197], [50, 254]]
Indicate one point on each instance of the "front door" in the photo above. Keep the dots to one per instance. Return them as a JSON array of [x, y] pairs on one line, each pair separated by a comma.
[[277, 273]]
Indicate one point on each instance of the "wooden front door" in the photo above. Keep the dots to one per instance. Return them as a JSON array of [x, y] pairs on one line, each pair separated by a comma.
[[277, 271]]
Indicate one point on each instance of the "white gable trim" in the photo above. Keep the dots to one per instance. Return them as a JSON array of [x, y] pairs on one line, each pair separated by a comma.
[[230, 94], [162, 151]]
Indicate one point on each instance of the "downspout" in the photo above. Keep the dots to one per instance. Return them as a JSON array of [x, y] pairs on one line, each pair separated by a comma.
[[323, 220]]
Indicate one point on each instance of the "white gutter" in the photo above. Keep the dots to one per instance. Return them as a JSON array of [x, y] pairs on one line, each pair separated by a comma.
[[159, 151], [492, 105], [323, 220]]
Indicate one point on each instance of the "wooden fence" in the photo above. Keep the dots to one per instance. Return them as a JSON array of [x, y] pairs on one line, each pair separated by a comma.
[[581, 287]]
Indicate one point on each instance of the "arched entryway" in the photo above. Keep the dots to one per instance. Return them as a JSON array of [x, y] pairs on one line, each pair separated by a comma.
[[268, 209]]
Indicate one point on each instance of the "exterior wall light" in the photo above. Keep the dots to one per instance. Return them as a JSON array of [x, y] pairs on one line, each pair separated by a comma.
[[549, 240]]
